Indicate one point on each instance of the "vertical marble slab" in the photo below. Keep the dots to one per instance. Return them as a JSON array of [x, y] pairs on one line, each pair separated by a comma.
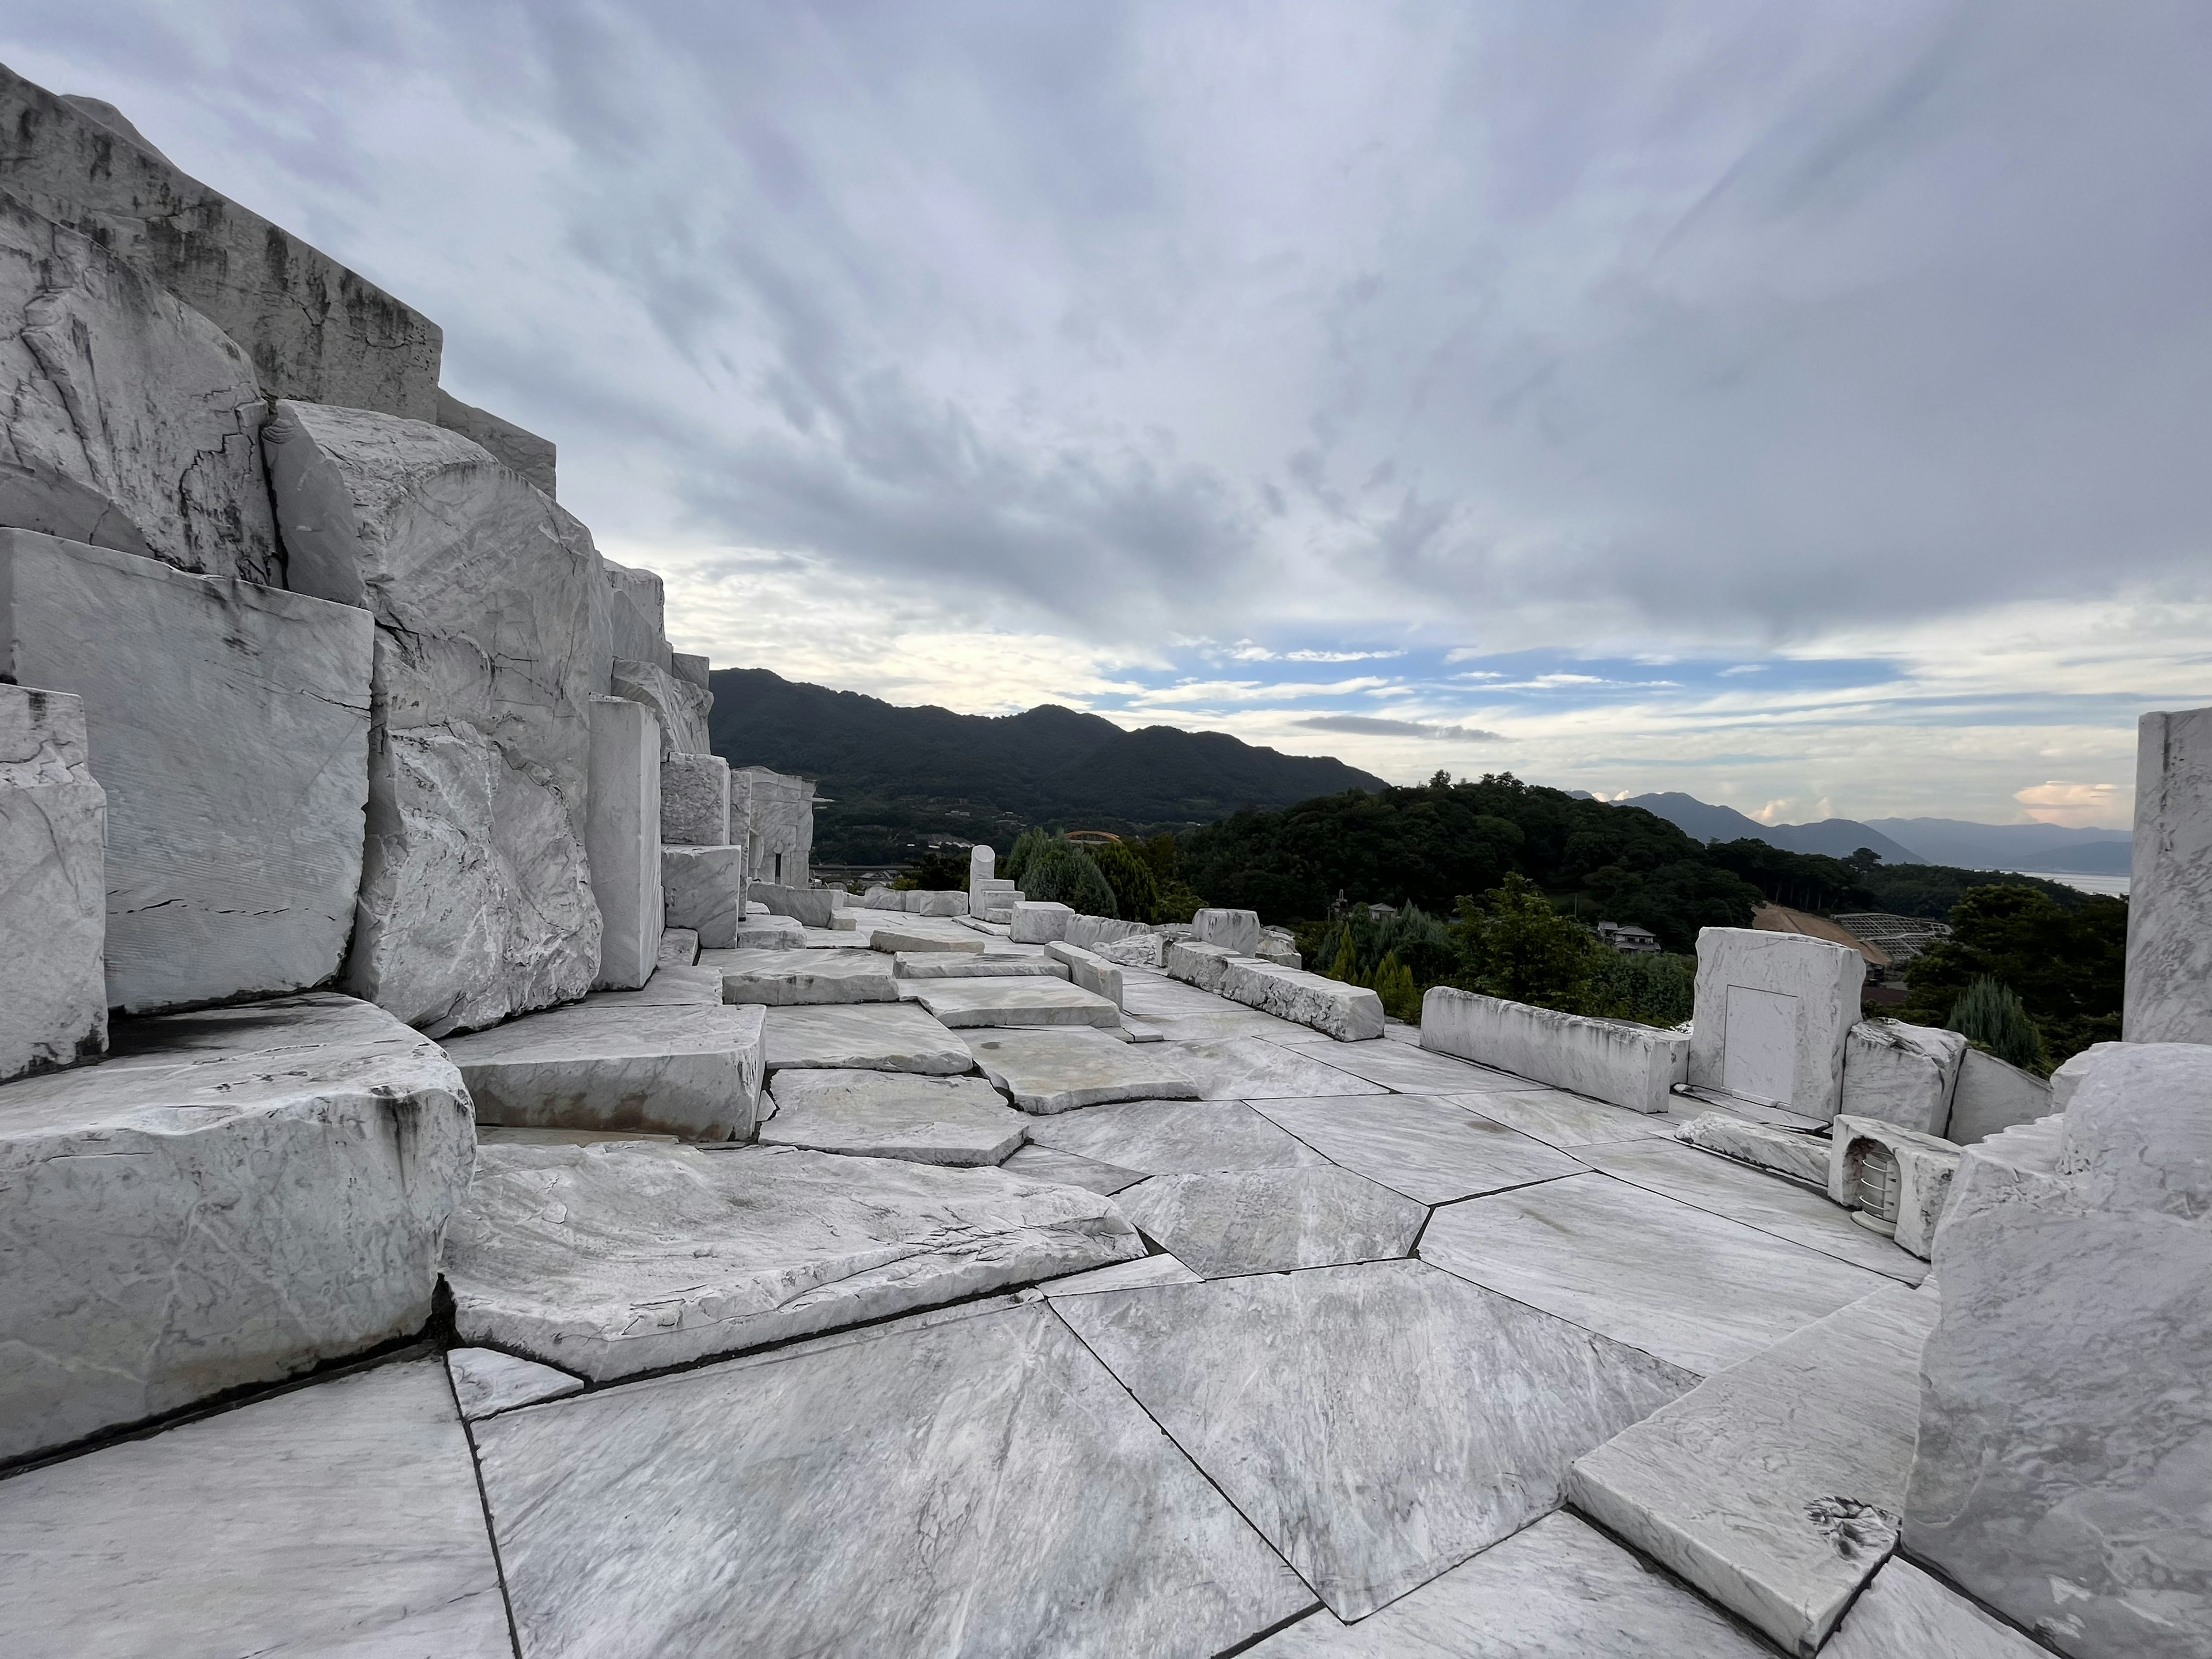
[[2169, 980], [53, 902], [622, 840]]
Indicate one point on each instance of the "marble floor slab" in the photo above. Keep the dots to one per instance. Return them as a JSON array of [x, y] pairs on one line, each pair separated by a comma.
[[1905, 1611], [880, 1036], [1251, 1068], [1153, 995], [487, 1381], [338, 1518], [673, 982], [1219, 1024], [1563, 1119], [1260, 1221], [1706, 1180], [1121, 1276], [1175, 1137], [613, 1261], [959, 964], [791, 979], [1062, 1068], [1775, 1486], [1428, 1149], [1029, 1000], [1697, 1290], [1035, 1163], [1559, 1590], [1408, 1070], [925, 1120], [977, 1485], [1377, 1424]]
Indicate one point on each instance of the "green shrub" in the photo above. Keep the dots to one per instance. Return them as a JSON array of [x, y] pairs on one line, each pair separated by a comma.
[[940, 870], [1519, 947], [1393, 981], [1136, 889], [1991, 1015], [1026, 847], [1651, 988], [1066, 874]]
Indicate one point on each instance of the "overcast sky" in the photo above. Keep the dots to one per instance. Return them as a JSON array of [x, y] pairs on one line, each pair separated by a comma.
[[1802, 407]]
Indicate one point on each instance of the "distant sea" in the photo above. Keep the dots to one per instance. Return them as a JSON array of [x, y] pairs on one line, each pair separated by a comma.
[[2110, 886]]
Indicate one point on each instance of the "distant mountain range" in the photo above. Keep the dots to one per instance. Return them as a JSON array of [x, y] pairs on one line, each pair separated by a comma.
[[1952, 841], [896, 775]]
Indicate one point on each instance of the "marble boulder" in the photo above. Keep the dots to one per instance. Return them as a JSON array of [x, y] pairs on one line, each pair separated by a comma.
[[1901, 1074], [680, 707], [53, 902], [235, 1197], [1235, 931]]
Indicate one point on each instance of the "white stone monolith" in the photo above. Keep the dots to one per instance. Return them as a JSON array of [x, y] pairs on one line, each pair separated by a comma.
[[2169, 980], [1774, 1011], [694, 801], [53, 821], [703, 889], [623, 840]]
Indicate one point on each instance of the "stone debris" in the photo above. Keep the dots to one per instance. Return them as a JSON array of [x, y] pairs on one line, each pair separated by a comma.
[[677, 1069], [233, 1197], [1014, 1001], [614, 1259], [53, 899], [1060, 1069], [897, 1038], [925, 1120], [783, 979], [487, 1381]]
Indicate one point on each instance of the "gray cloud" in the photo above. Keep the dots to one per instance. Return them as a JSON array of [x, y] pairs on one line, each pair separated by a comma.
[[1368, 726]]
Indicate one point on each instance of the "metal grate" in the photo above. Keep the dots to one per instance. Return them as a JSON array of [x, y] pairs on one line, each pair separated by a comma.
[[1877, 1194]]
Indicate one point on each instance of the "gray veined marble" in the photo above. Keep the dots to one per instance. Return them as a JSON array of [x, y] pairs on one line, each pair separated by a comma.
[[1905, 1612], [978, 1485], [1775, 1486], [1378, 1424], [2169, 974], [1695, 1289], [1408, 1070], [785, 979], [1563, 1119], [1257, 1221], [1061, 1068], [673, 985], [339, 1518], [613, 1260], [1219, 1024], [53, 901], [1249, 1068], [1431, 1150], [1559, 1590], [1035, 1163], [1145, 1270], [1755, 1197], [925, 1120], [889, 1036], [1014, 1002], [1175, 1137], [487, 1381]]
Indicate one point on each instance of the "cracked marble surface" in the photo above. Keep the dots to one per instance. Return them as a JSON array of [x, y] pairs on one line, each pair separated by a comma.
[[1428, 1149], [1175, 1137], [1252, 1068], [1256, 1221]]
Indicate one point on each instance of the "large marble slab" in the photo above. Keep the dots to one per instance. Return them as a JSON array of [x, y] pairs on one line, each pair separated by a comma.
[[1905, 1612], [1559, 1590], [612, 1260], [1061, 1068], [1377, 1424], [977, 1485], [1002, 1001], [1035, 1163], [339, 1518], [1429, 1150], [233, 1197], [1697, 1290], [1251, 1068], [1755, 1197], [1175, 1137], [1161, 1269], [487, 1381], [785, 979], [667, 1068], [2170, 903], [925, 1120], [890, 1036], [1777, 1486], [1259, 1221], [1407, 1069], [1155, 994], [1563, 1119], [1219, 1024]]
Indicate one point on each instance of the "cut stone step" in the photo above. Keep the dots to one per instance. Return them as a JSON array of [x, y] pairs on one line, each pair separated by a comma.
[[962, 964], [1697, 1290], [339, 1518], [1559, 1590], [762, 932], [1261, 1221], [908, 938], [1377, 1424], [673, 985], [1034, 1163], [235, 1196], [1428, 1149], [610, 1261], [1176, 1137], [974, 1483], [959, 1003], [870, 1036], [1777, 1486], [487, 1381], [925, 1120], [803, 977], [1062, 1068], [677, 1069]]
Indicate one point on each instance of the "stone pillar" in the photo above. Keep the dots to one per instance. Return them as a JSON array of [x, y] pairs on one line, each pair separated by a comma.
[[982, 866], [703, 889], [2169, 989], [694, 801], [53, 900], [622, 840]]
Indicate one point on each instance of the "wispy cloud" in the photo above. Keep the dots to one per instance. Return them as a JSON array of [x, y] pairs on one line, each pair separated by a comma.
[[1370, 727]]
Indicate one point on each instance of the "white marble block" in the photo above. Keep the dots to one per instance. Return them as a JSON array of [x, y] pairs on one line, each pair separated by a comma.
[[1925, 1166], [938, 904], [2169, 984], [132, 422], [1773, 1014], [1039, 921], [703, 889], [2065, 1426], [235, 1196], [694, 801], [1198, 964], [1092, 972], [1615, 1060], [681, 706], [228, 724], [53, 821], [982, 866], [1350, 1013], [1902, 1074], [1993, 1095], [631, 616], [812, 907], [1233, 930], [1791, 1154], [1090, 932], [778, 812], [524, 451], [623, 840]]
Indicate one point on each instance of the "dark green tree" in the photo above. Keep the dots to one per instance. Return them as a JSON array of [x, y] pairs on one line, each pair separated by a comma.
[[1990, 1016], [1518, 946], [1130, 873], [2068, 967]]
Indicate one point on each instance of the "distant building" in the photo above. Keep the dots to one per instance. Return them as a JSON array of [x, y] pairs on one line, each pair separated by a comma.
[[1898, 937], [1624, 936]]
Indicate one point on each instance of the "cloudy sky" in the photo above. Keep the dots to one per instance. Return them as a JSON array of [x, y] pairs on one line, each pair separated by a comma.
[[1803, 407]]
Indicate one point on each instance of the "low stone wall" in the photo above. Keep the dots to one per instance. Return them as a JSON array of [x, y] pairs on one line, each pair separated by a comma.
[[1350, 1013], [1611, 1060]]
